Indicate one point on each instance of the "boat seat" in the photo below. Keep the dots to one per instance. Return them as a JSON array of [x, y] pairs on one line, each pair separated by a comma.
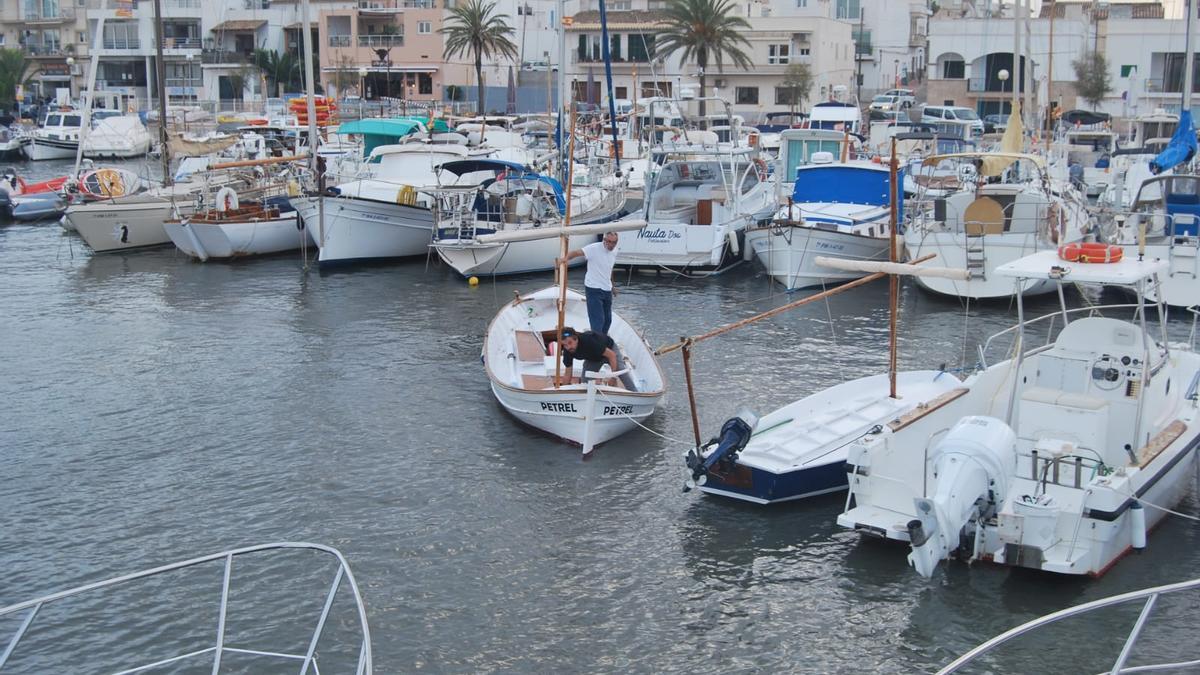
[[984, 216], [529, 347], [536, 381]]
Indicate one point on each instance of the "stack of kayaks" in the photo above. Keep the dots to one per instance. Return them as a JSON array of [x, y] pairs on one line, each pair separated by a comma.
[[325, 110]]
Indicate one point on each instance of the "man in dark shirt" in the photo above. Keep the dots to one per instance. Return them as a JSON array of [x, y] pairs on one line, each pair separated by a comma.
[[594, 349]]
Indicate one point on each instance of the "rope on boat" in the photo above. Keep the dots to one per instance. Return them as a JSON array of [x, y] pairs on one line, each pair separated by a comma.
[[1164, 509], [687, 444]]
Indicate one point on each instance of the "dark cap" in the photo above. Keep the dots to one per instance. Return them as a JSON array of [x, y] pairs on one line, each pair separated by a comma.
[[568, 332]]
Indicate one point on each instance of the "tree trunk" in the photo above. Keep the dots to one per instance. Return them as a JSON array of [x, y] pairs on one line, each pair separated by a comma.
[[479, 83]]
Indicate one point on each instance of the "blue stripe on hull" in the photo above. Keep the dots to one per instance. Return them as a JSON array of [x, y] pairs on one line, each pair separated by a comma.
[[769, 487]]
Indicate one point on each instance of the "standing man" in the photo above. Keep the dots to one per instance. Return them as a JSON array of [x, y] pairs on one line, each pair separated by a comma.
[[597, 283]]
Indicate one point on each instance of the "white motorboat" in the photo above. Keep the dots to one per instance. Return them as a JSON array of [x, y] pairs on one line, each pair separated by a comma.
[[840, 210], [1061, 458], [116, 137], [387, 214], [520, 356], [698, 204], [1006, 210], [237, 230], [12, 142], [57, 137], [513, 199]]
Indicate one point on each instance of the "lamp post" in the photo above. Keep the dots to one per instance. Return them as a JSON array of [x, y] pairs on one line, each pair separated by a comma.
[[362, 89], [896, 74], [70, 63], [1003, 76]]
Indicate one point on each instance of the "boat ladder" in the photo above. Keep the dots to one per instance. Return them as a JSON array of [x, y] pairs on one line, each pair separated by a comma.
[[1183, 256], [976, 256]]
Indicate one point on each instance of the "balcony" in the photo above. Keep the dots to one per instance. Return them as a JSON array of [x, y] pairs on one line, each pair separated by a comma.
[[49, 19], [380, 40], [122, 44], [222, 57], [181, 43], [596, 58], [183, 4], [50, 50], [390, 6], [339, 40]]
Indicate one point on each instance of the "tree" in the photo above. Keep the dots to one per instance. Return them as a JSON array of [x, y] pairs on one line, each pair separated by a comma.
[[1092, 81], [704, 29], [473, 30], [797, 80], [281, 70], [15, 70], [345, 75]]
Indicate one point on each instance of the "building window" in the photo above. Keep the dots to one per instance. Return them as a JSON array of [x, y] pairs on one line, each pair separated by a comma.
[[1126, 71], [953, 70], [746, 95], [620, 5], [801, 3], [803, 51], [424, 83], [862, 42], [785, 96], [848, 9], [83, 37], [424, 28], [622, 92], [641, 46], [777, 54]]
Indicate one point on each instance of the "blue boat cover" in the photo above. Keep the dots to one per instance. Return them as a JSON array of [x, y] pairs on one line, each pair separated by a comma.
[[1181, 148], [509, 171], [846, 184]]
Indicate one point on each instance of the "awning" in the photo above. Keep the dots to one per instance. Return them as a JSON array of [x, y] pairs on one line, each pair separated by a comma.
[[241, 25]]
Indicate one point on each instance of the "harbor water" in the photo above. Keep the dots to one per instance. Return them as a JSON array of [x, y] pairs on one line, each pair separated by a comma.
[[158, 409]]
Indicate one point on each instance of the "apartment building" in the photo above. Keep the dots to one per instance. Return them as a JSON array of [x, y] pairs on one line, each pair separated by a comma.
[[53, 34], [890, 41]]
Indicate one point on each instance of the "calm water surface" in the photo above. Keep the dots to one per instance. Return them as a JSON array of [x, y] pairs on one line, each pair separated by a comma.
[[158, 409]]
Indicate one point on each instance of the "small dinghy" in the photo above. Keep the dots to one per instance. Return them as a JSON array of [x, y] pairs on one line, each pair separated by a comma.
[[521, 357], [234, 230]]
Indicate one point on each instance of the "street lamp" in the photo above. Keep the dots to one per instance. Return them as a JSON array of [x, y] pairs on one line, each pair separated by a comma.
[[1003, 76], [70, 64], [896, 74], [362, 89]]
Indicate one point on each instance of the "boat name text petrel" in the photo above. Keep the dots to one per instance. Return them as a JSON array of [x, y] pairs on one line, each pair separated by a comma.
[[614, 410], [558, 407]]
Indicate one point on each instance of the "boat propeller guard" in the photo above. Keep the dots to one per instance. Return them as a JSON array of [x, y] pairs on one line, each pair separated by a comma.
[[734, 436]]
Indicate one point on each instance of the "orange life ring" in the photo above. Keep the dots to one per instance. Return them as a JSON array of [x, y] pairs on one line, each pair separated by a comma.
[[1090, 253], [760, 166]]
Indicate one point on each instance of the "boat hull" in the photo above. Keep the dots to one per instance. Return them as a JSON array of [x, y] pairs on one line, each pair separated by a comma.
[[562, 413], [789, 253], [41, 149], [360, 229], [112, 227], [472, 259], [951, 252], [206, 240]]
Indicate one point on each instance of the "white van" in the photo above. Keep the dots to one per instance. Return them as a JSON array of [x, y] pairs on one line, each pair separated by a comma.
[[932, 114]]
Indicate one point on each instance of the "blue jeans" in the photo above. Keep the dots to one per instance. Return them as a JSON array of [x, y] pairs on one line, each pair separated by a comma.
[[599, 308]]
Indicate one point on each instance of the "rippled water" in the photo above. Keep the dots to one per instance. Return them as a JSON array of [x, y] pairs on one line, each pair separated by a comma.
[[157, 409]]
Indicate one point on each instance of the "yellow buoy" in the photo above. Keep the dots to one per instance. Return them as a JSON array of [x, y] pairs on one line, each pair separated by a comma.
[[473, 282]]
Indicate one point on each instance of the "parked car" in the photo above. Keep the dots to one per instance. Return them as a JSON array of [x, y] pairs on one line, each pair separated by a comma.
[[538, 66], [884, 102], [933, 114], [905, 96], [995, 124]]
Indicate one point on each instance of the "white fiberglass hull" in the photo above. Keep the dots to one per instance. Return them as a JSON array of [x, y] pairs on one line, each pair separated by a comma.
[[1180, 287], [45, 149], [469, 258], [109, 226], [204, 240], [361, 229], [789, 253], [950, 249], [564, 413]]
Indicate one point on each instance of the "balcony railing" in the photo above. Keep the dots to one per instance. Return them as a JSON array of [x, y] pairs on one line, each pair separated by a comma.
[[45, 50], [380, 40], [221, 56], [122, 43], [339, 40], [390, 5], [184, 82], [596, 58], [63, 14], [181, 43], [184, 4]]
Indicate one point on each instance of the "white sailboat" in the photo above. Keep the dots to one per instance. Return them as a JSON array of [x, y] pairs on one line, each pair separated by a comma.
[[1059, 459], [234, 230]]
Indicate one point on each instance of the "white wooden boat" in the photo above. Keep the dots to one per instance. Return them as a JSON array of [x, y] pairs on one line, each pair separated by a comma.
[[57, 137], [1059, 459], [519, 355], [240, 230]]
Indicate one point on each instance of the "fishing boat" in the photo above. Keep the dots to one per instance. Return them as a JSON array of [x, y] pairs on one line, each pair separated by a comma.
[[524, 367], [698, 203], [840, 210], [57, 137], [512, 199], [234, 230], [1061, 458]]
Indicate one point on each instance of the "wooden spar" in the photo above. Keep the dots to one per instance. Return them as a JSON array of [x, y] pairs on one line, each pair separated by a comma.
[[780, 310], [687, 375], [1048, 129], [160, 84], [258, 162], [562, 257], [893, 280]]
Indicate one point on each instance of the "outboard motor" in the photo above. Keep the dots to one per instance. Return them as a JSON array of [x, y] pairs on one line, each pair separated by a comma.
[[971, 468], [734, 436]]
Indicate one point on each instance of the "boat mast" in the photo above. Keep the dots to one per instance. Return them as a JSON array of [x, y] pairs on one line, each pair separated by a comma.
[[1015, 72], [160, 82], [1189, 58], [91, 88], [612, 104], [1048, 130], [1027, 71], [309, 87], [561, 268], [893, 279]]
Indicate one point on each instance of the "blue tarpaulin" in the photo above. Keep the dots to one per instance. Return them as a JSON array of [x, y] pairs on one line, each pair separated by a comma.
[[1181, 148]]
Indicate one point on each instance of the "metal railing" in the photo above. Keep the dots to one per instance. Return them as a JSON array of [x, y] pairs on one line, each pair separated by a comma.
[[1150, 597], [221, 56], [31, 608], [339, 40], [1051, 319], [62, 14], [181, 43], [122, 43], [380, 40]]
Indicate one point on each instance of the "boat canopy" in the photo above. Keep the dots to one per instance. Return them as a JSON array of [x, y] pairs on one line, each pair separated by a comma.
[[1085, 117], [868, 184], [991, 163], [505, 170], [1182, 147], [377, 132]]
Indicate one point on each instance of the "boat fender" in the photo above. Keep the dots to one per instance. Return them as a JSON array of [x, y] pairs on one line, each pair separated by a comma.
[[731, 235], [734, 436], [227, 198], [1137, 525]]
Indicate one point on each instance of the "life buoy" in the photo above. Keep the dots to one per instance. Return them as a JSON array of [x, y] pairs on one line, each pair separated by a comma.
[[760, 165], [227, 199], [1091, 253]]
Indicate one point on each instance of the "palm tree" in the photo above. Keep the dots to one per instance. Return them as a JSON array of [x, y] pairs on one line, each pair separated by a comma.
[[704, 29], [281, 70], [13, 67], [473, 30]]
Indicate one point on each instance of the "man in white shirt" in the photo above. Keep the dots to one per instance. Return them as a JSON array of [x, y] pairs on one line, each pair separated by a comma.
[[597, 283]]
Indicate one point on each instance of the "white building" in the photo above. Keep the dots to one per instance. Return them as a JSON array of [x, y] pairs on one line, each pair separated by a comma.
[[890, 38]]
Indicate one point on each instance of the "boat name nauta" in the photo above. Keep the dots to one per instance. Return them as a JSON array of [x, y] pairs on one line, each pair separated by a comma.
[[660, 233], [558, 407]]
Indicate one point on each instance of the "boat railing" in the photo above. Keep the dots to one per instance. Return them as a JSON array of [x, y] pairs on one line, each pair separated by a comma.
[[1149, 598], [26, 612], [1047, 221], [1047, 319]]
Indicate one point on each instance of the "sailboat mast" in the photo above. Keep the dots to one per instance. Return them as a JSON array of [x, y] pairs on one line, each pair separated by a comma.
[[160, 83], [1014, 73], [893, 279], [1027, 111], [612, 104], [1189, 58], [88, 101], [1048, 129], [561, 268], [309, 87]]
